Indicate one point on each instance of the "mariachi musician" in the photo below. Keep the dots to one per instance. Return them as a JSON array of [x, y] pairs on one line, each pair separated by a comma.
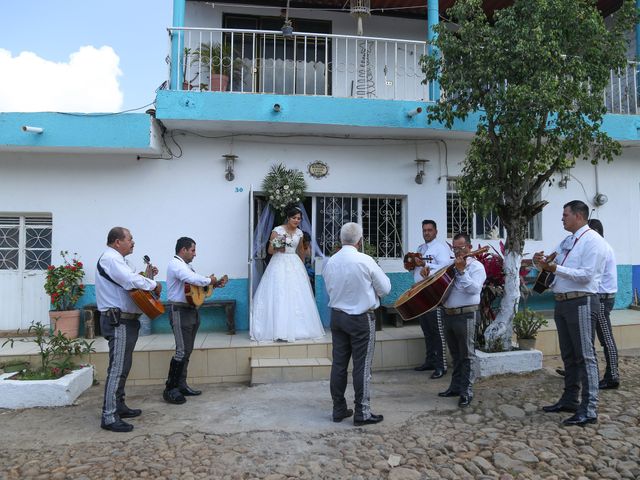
[[183, 317], [461, 311], [431, 257]]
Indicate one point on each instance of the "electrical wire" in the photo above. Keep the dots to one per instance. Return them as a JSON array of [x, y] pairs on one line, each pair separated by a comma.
[[105, 114]]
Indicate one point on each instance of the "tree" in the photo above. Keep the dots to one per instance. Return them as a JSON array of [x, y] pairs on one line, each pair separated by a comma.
[[534, 74]]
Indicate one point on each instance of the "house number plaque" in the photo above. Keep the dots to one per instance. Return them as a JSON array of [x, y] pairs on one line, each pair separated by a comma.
[[318, 169]]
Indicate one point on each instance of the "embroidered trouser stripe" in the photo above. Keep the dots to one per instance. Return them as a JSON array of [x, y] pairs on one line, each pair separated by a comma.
[[605, 336], [121, 344], [185, 323], [352, 336], [459, 331], [435, 346], [575, 320]]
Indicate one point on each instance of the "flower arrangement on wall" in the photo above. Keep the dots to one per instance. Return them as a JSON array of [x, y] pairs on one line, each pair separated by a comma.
[[283, 186]]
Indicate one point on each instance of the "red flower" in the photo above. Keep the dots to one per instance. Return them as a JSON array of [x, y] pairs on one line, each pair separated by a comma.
[[73, 269], [79, 264], [51, 267]]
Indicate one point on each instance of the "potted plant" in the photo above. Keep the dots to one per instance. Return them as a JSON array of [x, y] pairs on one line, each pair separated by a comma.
[[215, 59], [187, 58], [64, 286], [526, 324], [56, 381]]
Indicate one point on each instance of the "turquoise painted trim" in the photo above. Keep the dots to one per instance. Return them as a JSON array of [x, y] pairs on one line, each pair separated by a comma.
[[111, 131], [177, 42], [342, 112], [635, 275], [242, 107], [237, 288], [433, 18]]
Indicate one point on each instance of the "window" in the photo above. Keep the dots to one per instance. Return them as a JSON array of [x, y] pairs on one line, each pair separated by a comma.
[[25, 242], [487, 227], [380, 217]]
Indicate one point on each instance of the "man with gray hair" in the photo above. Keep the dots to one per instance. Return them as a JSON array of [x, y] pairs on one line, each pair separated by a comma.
[[355, 283]]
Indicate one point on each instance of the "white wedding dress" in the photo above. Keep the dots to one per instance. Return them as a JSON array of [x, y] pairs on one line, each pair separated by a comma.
[[284, 307]]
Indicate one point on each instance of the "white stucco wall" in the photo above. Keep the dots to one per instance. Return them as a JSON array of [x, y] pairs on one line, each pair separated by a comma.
[[160, 200]]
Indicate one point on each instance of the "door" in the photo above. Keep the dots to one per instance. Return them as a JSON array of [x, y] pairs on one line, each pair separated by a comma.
[[25, 254]]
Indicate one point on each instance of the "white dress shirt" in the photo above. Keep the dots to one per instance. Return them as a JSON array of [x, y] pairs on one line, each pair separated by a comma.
[[179, 273], [354, 281], [580, 262], [467, 286], [109, 295], [436, 255], [609, 280]]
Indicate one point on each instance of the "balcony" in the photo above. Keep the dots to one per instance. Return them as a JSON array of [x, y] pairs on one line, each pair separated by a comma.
[[341, 66], [261, 61]]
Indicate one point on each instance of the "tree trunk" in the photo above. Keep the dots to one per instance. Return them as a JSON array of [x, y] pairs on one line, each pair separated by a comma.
[[500, 331]]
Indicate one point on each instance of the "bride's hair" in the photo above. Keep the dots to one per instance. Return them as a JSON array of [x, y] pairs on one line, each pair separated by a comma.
[[292, 210]]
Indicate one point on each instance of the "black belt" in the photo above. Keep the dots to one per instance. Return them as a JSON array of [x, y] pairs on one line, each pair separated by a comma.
[[606, 296], [129, 316], [461, 310]]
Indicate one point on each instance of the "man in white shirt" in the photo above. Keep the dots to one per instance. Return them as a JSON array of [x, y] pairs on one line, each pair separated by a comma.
[[578, 268], [461, 312], [183, 317], [355, 283], [607, 295], [119, 323], [436, 255]]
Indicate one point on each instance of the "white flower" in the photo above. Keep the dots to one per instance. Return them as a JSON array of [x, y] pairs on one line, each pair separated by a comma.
[[277, 190], [286, 187]]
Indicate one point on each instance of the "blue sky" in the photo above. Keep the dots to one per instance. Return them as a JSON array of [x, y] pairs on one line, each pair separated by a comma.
[[123, 76]]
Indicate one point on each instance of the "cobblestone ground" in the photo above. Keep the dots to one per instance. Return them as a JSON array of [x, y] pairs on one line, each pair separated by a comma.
[[503, 435]]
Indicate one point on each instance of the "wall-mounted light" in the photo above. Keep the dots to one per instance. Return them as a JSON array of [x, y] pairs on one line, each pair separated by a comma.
[[287, 27], [420, 164], [230, 160], [414, 112], [27, 128], [277, 107]]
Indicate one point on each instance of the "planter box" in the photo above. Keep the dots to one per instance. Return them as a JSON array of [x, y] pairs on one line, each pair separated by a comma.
[[516, 361], [44, 393]]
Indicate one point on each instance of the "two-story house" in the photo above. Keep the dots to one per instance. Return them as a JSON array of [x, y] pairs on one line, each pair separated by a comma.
[[245, 92]]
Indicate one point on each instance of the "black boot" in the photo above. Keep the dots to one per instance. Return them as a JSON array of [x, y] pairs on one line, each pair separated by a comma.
[[171, 392]]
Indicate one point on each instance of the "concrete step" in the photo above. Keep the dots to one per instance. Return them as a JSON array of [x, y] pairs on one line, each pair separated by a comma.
[[275, 370]]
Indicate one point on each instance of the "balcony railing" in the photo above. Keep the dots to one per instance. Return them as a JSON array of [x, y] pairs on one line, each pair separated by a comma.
[[261, 61], [264, 61]]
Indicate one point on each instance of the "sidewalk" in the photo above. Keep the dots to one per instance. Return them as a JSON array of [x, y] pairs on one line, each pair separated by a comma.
[[285, 431]]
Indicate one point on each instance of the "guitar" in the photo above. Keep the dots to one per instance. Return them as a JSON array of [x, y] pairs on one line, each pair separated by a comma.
[[544, 278], [426, 295], [196, 295], [144, 299]]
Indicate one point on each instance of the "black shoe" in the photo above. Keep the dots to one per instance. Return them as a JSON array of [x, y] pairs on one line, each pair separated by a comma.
[[187, 391], [559, 407], [560, 372], [127, 412], [425, 366], [465, 401], [449, 392], [608, 384], [339, 418], [117, 426], [579, 420], [369, 421], [438, 373], [173, 396]]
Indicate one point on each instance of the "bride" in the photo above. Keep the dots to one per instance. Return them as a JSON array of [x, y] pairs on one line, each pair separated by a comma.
[[283, 306]]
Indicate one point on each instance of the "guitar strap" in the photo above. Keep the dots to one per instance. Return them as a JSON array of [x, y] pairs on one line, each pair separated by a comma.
[[105, 275], [573, 246]]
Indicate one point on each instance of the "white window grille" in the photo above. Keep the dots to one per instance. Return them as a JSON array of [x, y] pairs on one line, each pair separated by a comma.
[[25, 242], [486, 227], [380, 217]]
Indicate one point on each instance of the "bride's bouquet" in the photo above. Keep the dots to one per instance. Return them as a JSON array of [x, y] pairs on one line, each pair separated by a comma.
[[281, 241]]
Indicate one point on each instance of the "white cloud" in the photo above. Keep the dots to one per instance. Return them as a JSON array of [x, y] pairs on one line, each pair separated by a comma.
[[88, 82]]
